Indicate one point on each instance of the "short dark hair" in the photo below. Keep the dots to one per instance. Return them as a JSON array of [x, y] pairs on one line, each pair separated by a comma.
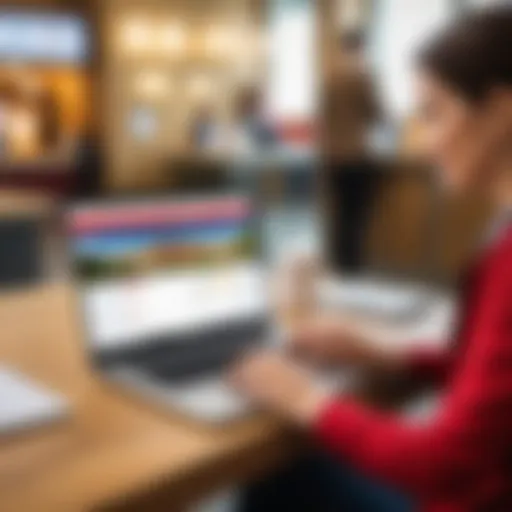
[[473, 55]]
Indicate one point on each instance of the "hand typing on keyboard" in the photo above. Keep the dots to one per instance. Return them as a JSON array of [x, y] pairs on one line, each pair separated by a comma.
[[272, 381], [327, 340]]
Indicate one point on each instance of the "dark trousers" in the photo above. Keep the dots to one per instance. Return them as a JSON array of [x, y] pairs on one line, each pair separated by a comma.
[[351, 188], [320, 484]]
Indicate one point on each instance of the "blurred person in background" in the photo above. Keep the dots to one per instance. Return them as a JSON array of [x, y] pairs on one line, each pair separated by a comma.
[[247, 131], [460, 458], [351, 111], [252, 131], [205, 129], [90, 161]]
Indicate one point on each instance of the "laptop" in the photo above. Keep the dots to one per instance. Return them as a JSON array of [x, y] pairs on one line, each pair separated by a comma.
[[172, 290]]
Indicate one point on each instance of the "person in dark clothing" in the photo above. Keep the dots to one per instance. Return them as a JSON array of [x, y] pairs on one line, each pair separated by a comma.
[[89, 167], [351, 110]]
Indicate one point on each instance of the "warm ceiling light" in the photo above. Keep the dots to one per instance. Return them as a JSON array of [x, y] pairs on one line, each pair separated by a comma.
[[173, 37], [137, 35], [152, 85], [200, 87], [220, 41]]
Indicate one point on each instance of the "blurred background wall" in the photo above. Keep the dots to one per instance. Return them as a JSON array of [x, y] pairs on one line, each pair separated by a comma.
[[164, 62], [124, 112]]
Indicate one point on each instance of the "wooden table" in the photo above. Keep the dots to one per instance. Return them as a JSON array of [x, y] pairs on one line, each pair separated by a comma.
[[115, 452]]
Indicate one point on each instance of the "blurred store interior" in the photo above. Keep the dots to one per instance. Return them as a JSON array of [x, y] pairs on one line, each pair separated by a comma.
[[106, 98], [103, 99]]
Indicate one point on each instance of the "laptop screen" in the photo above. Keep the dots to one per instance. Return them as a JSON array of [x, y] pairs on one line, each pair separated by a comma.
[[157, 268]]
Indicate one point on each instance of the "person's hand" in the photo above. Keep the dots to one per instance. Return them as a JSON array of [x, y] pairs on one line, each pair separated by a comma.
[[294, 288], [276, 384], [329, 341]]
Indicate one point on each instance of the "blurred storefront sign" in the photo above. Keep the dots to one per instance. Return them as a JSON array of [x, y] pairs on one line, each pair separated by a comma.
[[42, 38]]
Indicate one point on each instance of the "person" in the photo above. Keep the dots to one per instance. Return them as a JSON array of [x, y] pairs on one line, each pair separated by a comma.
[[252, 131], [248, 130], [204, 129], [89, 165], [461, 458], [351, 110]]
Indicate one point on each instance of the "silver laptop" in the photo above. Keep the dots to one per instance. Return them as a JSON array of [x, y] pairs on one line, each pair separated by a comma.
[[173, 291]]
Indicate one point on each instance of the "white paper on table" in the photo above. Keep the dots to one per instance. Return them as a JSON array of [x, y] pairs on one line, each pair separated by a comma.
[[25, 404]]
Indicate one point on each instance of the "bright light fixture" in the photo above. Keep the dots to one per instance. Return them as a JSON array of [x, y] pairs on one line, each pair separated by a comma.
[[152, 85], [220, 41], [172, 37], [137, 35], [200, 86]]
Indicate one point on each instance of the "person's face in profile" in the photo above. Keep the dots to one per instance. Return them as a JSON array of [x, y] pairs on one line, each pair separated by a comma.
[[465, 138]]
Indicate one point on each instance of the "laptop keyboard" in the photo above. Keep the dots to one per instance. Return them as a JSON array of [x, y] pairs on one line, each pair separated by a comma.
[[201, 357], [200, 363]]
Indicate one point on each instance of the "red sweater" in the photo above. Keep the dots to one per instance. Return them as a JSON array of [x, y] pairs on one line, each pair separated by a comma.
[[462, 460]]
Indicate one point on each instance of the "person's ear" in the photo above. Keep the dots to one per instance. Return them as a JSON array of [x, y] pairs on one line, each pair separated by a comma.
[[499, 121], [500, 103]]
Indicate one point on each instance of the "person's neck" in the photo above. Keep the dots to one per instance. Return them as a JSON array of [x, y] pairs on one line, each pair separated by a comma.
[[502, 188]]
